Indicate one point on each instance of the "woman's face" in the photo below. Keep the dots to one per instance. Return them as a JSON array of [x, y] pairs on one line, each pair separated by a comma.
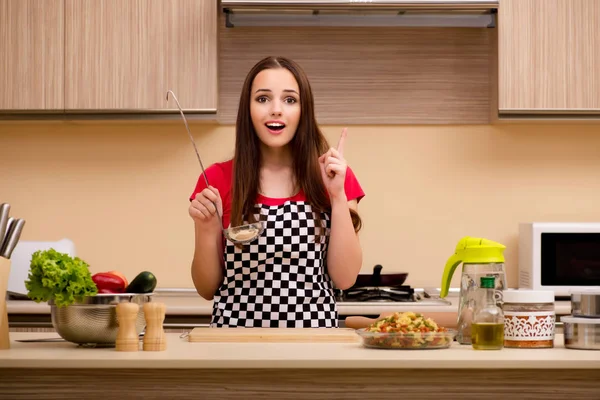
[[275, 106]]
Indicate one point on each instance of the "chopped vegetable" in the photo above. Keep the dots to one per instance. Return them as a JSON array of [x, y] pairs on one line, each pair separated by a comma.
[[59, 277], [405, 322], [406, 330]]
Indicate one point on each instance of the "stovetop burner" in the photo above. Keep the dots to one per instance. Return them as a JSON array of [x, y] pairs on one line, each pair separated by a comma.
[[402, 293]]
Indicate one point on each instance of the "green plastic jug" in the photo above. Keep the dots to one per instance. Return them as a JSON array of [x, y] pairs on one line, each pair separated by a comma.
[[480, 257]]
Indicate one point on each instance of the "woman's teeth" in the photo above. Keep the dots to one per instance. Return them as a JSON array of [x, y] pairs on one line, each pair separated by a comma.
[[275, 127]]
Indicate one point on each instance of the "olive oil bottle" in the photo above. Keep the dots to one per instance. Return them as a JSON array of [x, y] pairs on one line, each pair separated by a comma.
[[487, 328], [487, 336]]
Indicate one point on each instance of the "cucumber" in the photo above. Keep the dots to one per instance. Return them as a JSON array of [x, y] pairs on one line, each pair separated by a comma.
[[144, 282]]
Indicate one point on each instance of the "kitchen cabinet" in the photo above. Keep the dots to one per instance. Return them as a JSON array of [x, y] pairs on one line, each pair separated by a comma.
[[370, 75], [31, 54], [123, 55], [549, 57]]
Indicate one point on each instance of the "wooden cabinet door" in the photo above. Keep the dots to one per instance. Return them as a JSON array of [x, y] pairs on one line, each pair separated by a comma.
[[123, 55], [549, 56], [31, 55]]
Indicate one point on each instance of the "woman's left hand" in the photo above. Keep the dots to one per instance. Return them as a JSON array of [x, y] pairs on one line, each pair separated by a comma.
[[333, 168]]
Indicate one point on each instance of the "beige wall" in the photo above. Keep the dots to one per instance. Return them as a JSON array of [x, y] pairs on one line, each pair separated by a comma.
[[119, 190]]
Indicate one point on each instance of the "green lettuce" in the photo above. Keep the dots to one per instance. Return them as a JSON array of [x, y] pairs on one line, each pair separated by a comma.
[[59, 277]]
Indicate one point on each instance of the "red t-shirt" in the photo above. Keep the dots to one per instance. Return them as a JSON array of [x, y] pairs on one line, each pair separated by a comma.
[[220, 176]]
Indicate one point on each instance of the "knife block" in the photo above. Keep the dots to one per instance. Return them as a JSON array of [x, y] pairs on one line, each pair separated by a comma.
[[4, 272]]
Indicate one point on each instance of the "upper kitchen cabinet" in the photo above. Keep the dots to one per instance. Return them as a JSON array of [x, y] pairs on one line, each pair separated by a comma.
[[549, 57], [31, 54], [124, 55]]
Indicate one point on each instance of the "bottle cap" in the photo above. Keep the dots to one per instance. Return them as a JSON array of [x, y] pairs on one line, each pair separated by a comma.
[[487, 282]]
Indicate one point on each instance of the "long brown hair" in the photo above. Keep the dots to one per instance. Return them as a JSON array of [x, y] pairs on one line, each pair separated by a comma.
[[307, 145]]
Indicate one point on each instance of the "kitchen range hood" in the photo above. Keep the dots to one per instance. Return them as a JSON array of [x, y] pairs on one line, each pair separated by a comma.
[[356, 13]]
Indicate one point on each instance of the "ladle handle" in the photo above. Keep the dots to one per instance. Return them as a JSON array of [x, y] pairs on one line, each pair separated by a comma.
[[196, 149]]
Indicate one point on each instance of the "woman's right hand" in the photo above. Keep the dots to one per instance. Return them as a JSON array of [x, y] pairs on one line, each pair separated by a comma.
[[203, 208], [207, 265]]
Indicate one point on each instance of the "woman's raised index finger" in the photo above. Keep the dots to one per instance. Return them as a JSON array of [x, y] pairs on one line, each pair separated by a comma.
[[340, 146]]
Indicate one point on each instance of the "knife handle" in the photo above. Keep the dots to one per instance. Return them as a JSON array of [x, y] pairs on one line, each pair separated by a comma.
[[4, 212], [12, 238], [10, 226]]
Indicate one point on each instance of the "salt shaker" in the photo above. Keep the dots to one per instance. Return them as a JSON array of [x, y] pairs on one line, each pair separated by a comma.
[[154, 338], [127, 337]]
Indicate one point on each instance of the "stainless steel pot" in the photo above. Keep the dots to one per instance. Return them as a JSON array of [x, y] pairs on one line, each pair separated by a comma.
[[581, 333], [585, 304]]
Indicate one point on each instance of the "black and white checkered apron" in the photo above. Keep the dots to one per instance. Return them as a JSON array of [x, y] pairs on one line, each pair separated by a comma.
[[279, 280]]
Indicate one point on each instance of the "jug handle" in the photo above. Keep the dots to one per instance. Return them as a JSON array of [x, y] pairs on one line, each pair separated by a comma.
[[451, 265]]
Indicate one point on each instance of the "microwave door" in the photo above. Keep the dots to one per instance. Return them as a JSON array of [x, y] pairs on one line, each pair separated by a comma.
[[585, 269], [570, 259]]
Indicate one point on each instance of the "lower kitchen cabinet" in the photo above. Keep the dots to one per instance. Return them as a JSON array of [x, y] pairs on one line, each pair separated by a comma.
[[238, 370]]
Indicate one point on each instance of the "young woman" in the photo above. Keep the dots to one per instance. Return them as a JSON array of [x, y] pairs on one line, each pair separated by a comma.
[[284, 174]]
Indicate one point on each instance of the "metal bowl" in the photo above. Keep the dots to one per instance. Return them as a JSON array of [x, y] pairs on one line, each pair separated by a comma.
[[93, 320], [581, 333]]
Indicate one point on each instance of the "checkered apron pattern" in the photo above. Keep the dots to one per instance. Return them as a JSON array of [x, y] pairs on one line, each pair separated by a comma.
[[279, 280]]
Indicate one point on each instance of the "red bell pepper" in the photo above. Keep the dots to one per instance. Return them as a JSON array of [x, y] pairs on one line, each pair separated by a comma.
[[120, 275], [109, 283]]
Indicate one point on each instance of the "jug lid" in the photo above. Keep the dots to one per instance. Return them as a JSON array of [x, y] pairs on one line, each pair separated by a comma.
[[471, 250], [480, 251]]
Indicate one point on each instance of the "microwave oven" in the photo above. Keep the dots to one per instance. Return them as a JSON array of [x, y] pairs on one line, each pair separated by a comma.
[[559, 256]]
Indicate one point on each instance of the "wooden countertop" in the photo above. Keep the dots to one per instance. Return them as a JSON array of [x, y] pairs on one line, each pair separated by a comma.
[[182, 354]]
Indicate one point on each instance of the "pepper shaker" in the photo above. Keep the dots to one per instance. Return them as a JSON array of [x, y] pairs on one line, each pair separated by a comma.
[[154, 338], [127, 337]]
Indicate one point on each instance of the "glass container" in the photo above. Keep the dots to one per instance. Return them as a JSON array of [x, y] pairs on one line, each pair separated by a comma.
[[487, 329], [529, 318]]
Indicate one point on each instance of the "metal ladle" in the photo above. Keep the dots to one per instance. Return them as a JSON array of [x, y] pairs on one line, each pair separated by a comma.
[[242, 234]]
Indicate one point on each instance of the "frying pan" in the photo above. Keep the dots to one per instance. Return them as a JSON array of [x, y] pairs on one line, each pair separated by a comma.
[[377, 279]]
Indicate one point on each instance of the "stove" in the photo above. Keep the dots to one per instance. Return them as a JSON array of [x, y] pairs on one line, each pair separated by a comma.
[[403, 293]]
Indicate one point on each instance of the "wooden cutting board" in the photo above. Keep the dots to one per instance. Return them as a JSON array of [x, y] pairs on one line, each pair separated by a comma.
[[274, 335]]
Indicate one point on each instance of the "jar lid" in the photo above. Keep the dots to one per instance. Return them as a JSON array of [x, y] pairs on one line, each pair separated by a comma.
[[580, 292], [528, 296], [580, 320]]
